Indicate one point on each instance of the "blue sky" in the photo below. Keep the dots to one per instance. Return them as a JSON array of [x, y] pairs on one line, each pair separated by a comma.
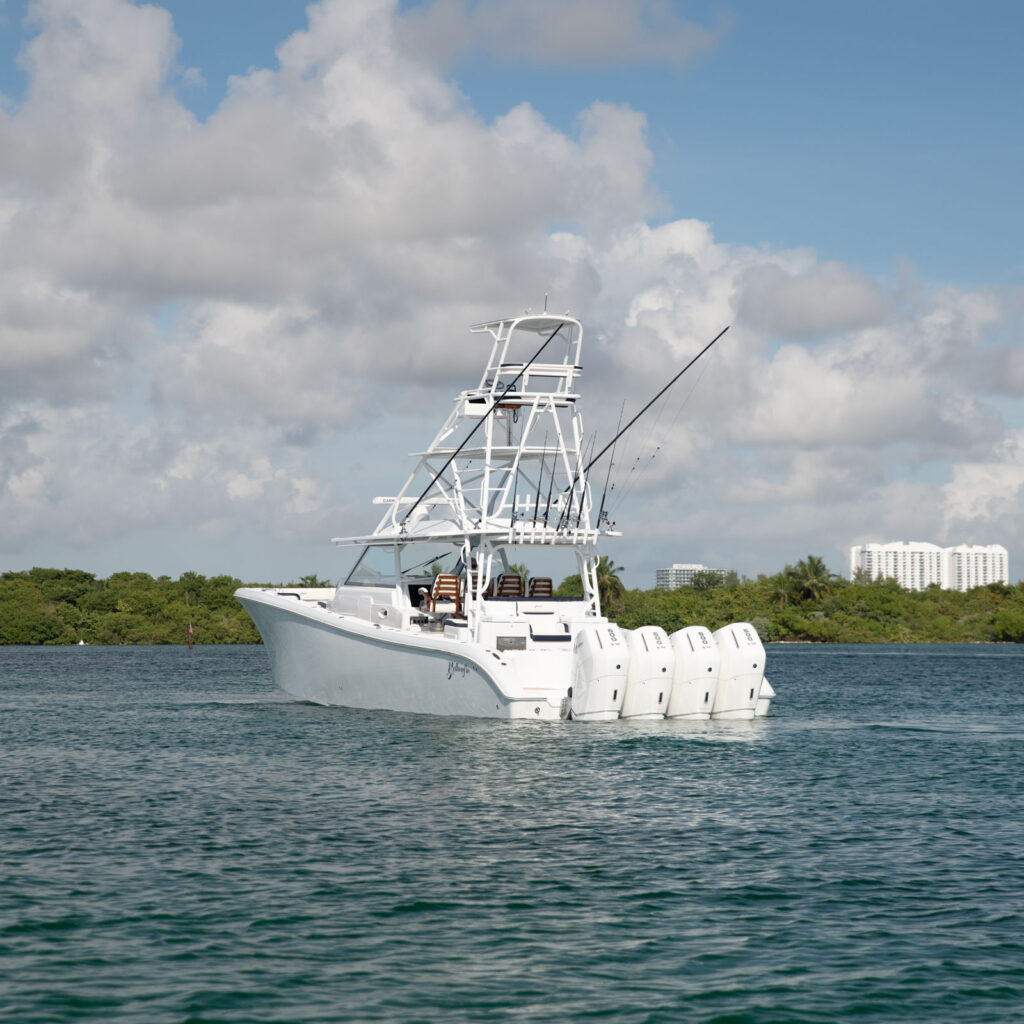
[[873, 131], [855, 168], [870, 131]]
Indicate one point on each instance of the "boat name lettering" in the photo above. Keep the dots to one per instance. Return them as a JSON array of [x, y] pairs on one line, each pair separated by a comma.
[[454, 668]]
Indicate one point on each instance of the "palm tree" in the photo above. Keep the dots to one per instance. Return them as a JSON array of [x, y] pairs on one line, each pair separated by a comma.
[[780, 587], [812, 578], [609, 586]]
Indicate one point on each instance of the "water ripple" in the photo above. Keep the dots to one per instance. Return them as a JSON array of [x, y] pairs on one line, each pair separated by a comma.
[[181, 843]]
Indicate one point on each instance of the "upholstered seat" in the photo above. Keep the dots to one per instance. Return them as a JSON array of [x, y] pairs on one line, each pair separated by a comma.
[[540, 586]]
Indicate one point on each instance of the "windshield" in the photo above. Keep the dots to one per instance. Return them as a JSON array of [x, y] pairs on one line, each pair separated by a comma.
[[426, 559], [418, 561], [375, 568]]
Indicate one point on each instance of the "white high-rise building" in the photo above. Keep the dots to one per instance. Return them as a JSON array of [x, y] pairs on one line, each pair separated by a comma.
[[916, 565], [971, 565]]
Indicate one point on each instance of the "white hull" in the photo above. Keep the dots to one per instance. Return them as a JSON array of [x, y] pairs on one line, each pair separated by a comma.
[[343, 660], [340, 660]]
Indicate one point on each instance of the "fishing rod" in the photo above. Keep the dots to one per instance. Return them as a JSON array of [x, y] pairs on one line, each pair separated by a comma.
[[483, 419], [551, 485], [634, 476], [515, 487], [627, 486], [611, 462], [567, 510], [654, 399], [586, 484], [540, 477]]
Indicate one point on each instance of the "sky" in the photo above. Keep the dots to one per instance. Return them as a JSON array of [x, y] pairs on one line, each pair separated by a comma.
[[242, 242]]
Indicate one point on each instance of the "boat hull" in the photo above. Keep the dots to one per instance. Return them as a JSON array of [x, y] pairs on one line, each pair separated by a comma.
[[334, 660], [349, 660]]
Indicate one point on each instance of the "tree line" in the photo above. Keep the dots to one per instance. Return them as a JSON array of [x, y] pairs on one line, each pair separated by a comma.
[[807, 602], [802, 602], [65, 606]]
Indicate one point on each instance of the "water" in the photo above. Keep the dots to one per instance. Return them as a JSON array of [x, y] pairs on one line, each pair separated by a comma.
[[181, 843]]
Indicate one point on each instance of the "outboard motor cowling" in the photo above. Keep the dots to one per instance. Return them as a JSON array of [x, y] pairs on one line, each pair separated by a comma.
[[600, 670], [651, 669], [739, 679], [696, 673]]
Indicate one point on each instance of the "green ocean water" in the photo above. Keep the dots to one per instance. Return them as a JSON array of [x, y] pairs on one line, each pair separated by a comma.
[[180, 842]]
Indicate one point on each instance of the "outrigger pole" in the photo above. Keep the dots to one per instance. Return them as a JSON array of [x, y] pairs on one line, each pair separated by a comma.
[[483, 419], [586, 468]]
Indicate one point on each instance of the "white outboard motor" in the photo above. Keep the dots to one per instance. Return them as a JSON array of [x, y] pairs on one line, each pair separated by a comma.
[[696, 675], [739, 679], [651, 668], [764, 698], [600, 669]]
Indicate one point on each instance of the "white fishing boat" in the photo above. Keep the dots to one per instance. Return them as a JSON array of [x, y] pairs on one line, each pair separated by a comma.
[[450, 607]]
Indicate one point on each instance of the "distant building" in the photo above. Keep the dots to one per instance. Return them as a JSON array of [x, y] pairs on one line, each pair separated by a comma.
[[971, 565], [916, 565], [681, 575]]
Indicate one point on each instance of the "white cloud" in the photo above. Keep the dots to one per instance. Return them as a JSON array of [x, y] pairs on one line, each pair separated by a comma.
[[986, 494], [59, 340], [815, 300], [91, 475], [560, 32], [324, 238]]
